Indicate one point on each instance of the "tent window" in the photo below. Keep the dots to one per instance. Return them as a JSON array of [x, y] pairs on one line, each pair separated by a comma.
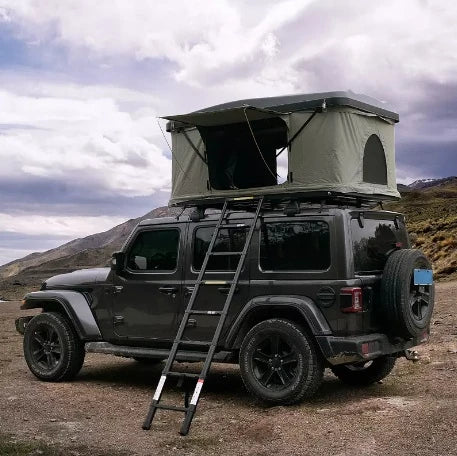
[[233, 158], [374, 162]]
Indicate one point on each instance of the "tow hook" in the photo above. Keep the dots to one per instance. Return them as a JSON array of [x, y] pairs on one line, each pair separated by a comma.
[[412, 355]]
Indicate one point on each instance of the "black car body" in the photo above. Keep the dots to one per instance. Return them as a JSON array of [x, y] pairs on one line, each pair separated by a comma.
[[324, 268]]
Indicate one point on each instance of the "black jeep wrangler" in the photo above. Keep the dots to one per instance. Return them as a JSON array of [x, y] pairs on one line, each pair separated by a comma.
[[327, 286]]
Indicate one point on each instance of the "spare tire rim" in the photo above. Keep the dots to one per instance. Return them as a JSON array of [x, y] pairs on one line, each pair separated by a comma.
[[419, 301], [46, 347], [274, 362]]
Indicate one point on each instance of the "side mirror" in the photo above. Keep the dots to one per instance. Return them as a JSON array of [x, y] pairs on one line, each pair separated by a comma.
[[117, 261]]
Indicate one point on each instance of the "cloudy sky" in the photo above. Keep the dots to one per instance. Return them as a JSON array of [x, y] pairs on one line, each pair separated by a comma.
[[82, 83]]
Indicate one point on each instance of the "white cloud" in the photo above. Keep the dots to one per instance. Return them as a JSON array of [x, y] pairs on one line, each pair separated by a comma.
[[62, 226], [88, 141], [311, 44]]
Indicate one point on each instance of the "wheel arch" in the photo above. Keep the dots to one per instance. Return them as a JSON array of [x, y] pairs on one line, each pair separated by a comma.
[[73, 304], [301, 310]]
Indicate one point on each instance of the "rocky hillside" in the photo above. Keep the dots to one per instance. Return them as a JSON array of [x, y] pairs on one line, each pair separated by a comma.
[[431, 216]]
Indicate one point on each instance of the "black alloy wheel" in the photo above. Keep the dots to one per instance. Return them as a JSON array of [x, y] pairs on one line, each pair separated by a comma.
[[279, 362], [275, 361], [46, 347], [52, 349], [419, 301]]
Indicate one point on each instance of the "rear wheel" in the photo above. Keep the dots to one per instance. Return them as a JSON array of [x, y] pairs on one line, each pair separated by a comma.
[[366, 372], [279, 363], [52, 349]]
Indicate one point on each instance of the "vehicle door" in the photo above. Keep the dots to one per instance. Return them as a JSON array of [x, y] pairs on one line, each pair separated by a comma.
[[148, 292], [220, 270]]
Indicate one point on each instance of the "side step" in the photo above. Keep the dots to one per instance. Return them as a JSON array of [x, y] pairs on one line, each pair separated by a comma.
[[144, 352]]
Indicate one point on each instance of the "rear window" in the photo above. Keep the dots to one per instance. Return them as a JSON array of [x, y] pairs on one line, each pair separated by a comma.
[[372, 242], [295, 246]]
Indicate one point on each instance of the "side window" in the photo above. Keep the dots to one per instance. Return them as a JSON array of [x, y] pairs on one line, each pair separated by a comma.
[[374, 162], [295, 246], [372, 243], [227, 241], [155, 250]]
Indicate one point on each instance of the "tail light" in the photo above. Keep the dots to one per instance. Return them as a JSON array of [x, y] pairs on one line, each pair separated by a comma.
[[351, 300]]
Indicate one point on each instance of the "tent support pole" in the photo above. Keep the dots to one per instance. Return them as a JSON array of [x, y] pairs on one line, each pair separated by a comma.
[[297, 133], [194, 148]]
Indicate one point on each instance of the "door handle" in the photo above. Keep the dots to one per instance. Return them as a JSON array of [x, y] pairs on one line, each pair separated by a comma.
[[191, 323], [226, 290], [169, 290], [188, 290], [118, 319]]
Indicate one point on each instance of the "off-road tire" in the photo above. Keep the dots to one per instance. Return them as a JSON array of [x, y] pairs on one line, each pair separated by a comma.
[[397, 291], [72, 352], [305, 374], [358, 375]]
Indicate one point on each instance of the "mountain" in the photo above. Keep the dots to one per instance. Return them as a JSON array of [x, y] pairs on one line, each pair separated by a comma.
[[430, 183]]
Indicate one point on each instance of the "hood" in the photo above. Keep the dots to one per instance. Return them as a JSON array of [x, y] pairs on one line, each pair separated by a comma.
[[79, 277]]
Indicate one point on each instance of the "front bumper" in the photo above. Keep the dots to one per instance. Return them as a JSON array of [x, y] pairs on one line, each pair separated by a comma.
[[345, 350]]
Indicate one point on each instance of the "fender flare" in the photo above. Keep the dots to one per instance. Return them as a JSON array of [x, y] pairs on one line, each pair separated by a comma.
[[310, 312], [75, 306]]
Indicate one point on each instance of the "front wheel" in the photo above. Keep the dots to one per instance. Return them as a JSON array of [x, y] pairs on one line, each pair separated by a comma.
[[279, 363], [52, 349], [365, 373]]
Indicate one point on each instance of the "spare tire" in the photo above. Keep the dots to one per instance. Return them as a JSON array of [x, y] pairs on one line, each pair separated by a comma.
[[406, 308]]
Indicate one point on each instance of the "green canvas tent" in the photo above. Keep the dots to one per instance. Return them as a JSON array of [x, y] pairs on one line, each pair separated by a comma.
[[337, 142]]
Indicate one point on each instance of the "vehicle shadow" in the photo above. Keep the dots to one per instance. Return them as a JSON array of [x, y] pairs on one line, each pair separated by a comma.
[[223, 382]]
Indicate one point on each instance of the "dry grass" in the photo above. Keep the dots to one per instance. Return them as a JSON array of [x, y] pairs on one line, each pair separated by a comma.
[[431, 217]]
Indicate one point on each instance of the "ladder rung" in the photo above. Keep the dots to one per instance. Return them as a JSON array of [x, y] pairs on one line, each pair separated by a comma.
[[225, 253], [205, 312], [195, 342], [183, 375], [171, 407]]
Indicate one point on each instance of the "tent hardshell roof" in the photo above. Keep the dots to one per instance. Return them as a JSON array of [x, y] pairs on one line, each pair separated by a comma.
[[233, 112]]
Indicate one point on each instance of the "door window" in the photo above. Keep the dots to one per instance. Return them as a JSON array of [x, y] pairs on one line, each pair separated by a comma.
[[228, 240], [295, 246], [155, 250]]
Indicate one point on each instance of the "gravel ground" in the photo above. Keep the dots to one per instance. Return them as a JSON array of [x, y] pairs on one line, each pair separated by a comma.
[[411, 413]]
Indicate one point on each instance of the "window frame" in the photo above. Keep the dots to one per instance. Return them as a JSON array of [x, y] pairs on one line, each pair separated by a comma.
[[153, 271], [296, 271]]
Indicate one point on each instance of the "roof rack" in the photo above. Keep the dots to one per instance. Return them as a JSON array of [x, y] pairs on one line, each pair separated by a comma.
[[289, 204], [277, 200]]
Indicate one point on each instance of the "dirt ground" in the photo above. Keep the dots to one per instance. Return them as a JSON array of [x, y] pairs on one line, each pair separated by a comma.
[[100, 413]]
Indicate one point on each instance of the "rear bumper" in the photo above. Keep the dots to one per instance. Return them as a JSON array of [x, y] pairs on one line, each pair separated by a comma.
[[344, 350]]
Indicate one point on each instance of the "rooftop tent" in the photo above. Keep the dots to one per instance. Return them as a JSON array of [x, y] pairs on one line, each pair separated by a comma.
[[231, 150]]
